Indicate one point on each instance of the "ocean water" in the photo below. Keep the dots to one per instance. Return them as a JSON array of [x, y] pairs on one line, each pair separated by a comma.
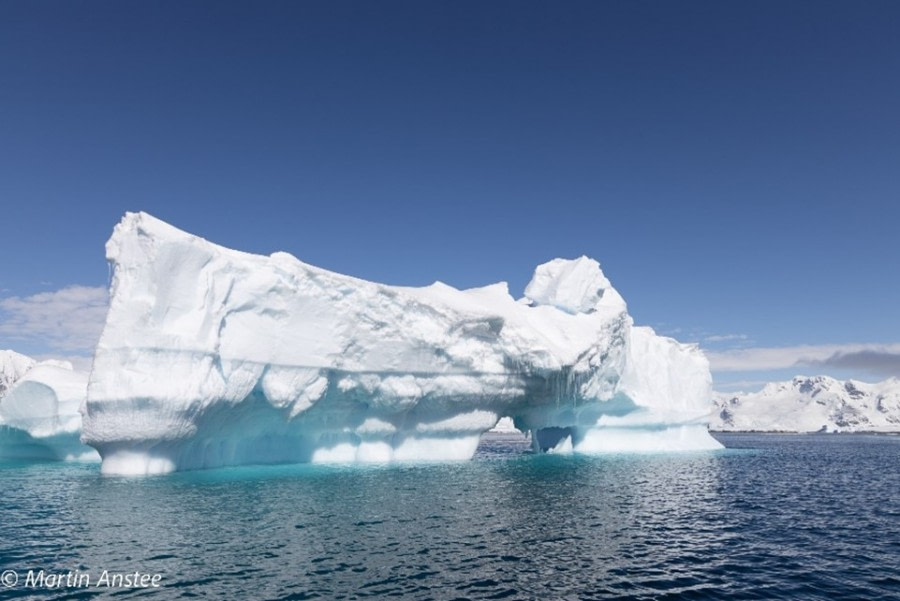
[[772, 517]]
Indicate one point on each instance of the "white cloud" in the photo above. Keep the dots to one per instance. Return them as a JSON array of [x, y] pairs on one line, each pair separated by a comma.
[[726, 338], [876, 361], [703, 337], [68, 320], [877, 358]]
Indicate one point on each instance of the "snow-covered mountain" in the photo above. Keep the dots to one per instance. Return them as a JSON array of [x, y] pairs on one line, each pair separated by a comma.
[[811, 405]]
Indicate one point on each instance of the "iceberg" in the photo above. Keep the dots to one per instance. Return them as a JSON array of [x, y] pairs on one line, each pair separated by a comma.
[[13, 366], [212, 357], [39, 413], [505, 426]]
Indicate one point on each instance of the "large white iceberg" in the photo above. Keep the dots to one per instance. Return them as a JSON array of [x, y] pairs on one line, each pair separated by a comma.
[[39, 413], [213, 357]]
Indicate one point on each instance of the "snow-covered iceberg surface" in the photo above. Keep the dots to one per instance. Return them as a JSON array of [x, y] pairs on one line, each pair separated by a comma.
[[13, 366], [212, 357], [817, 404], [39, 417]]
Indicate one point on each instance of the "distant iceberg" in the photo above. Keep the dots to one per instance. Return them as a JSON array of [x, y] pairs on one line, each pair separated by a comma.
[[39, 409], [213, 357], [505, 426]]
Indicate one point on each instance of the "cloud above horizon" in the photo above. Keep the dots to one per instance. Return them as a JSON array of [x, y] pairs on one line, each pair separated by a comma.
[[734, 338], [876, 359], [68, 320]]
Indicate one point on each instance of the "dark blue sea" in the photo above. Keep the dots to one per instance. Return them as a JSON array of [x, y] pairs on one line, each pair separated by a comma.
[[771, 517]]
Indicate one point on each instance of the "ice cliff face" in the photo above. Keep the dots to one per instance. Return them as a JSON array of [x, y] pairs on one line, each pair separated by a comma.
[[811, 405], [213, 357], [39, 412]]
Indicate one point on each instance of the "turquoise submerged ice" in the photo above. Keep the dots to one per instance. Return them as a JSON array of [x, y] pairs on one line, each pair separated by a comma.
[[213, 357]]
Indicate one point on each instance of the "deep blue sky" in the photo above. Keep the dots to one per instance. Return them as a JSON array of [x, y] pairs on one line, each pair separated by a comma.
[[734, 166]]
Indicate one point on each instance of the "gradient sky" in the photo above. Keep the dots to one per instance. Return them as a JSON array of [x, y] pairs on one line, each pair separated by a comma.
[[735, 167]]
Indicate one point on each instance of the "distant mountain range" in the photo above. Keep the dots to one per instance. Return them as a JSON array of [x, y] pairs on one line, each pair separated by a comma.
[[818, 404]]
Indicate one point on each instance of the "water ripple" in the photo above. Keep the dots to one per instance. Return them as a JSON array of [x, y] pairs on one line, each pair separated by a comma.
[[774, 517]]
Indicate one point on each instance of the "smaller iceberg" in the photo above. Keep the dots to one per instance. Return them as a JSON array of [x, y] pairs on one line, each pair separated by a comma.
[[39, 415], [13, 366]]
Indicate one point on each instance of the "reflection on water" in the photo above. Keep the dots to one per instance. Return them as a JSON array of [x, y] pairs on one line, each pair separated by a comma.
[[784, 517]]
